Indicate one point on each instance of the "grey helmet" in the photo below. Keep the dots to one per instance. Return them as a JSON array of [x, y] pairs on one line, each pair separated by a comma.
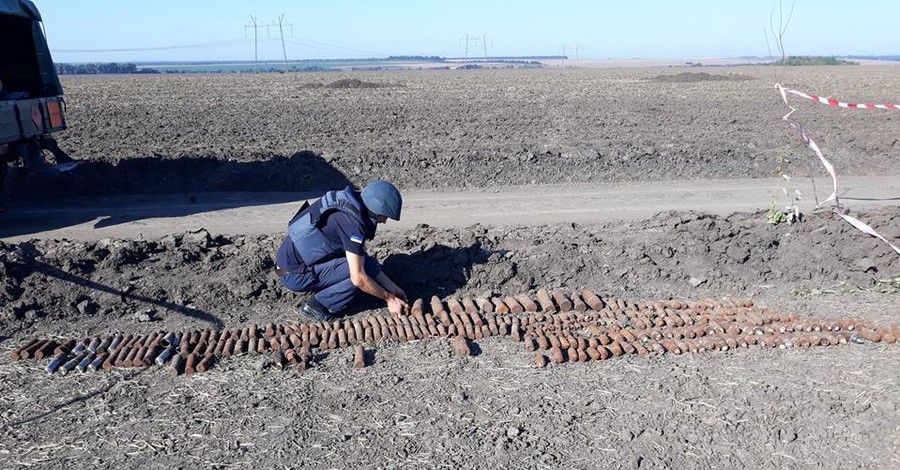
[[383, 198]]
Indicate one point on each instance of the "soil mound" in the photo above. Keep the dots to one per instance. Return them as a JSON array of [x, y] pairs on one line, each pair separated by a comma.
[[353, 83], [226, 280]]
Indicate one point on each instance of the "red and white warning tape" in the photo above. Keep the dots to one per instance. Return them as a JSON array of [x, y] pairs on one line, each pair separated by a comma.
[[859, 225], [836, 103], [812, 144], [866, 229]]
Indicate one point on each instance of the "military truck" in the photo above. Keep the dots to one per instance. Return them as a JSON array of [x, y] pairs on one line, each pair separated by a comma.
[[31, 101]]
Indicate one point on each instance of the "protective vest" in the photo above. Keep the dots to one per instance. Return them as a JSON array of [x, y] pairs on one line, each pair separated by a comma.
[[305, 228]]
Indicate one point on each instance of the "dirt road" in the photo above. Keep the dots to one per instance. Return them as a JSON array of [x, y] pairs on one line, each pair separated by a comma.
[[252, 213]]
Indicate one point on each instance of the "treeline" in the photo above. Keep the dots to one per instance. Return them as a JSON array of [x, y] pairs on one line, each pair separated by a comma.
[[812, 60], [98, 68]]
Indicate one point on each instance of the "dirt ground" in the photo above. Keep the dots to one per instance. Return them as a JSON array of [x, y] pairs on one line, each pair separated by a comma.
[[417, 404]]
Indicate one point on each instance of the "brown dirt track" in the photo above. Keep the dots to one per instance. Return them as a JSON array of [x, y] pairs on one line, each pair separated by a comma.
[[417, 405]]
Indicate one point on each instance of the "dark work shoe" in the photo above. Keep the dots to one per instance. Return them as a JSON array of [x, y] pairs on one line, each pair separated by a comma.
[[317, 314]]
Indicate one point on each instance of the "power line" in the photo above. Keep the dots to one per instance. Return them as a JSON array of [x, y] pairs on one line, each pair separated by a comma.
[[224, 43]]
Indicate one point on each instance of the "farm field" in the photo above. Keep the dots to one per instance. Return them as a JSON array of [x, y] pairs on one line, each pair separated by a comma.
[[416, 403]]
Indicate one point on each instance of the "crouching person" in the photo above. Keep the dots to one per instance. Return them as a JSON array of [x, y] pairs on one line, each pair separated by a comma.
[[325, 250]]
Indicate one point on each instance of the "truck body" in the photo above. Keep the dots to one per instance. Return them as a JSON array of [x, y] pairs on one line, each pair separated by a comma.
[[31, 100]]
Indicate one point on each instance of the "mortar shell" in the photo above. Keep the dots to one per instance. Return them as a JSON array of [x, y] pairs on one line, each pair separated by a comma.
[[461, 346]]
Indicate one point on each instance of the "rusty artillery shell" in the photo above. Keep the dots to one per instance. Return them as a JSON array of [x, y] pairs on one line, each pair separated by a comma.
[[484, 305], [66, 347], [593, 353], [359, 356], [499, 306], [32, 348], [671, 347], [461, 346], [604, 353], [469, 305], [151, 354], [582, 355], [437, 308], [177, 366], [888, 338], [417, 307], [641, 350], [577, 303], [72, 363], [454, 306], [204, 336], [628, 335], [540, 360], [554, 340], [207, 362], [130, 355], [527, 304], [603, 339], [492, 323], [513, 305], [628, 348], [546, 303], [565, 305], [556, 354], [283, 342], [616, 348], [542, 342], [46, 350], [655, 347], [56, 362], [190, 364], [270, 330], [97, 363], [592, 300]]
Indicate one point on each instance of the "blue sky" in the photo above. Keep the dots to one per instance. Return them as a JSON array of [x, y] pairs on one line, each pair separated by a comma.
[[120, 30]]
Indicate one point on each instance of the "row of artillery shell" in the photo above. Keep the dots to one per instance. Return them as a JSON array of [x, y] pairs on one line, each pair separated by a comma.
[[645, 324], [582, 349]]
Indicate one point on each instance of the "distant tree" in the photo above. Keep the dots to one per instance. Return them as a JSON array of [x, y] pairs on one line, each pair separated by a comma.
[[812, 60]]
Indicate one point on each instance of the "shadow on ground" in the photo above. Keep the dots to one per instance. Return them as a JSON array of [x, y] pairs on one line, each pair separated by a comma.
[[112, 194]]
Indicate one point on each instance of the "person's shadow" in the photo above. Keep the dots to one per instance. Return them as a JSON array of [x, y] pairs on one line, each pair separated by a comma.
[[439, 270], [118, 193]]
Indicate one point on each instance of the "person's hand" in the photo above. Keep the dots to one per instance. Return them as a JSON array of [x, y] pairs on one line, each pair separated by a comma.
[[397, 306], [399, 293]]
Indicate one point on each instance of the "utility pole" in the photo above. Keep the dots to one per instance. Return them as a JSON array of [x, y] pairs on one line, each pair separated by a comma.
[[474, 40], [281, 30], [255, 41]]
